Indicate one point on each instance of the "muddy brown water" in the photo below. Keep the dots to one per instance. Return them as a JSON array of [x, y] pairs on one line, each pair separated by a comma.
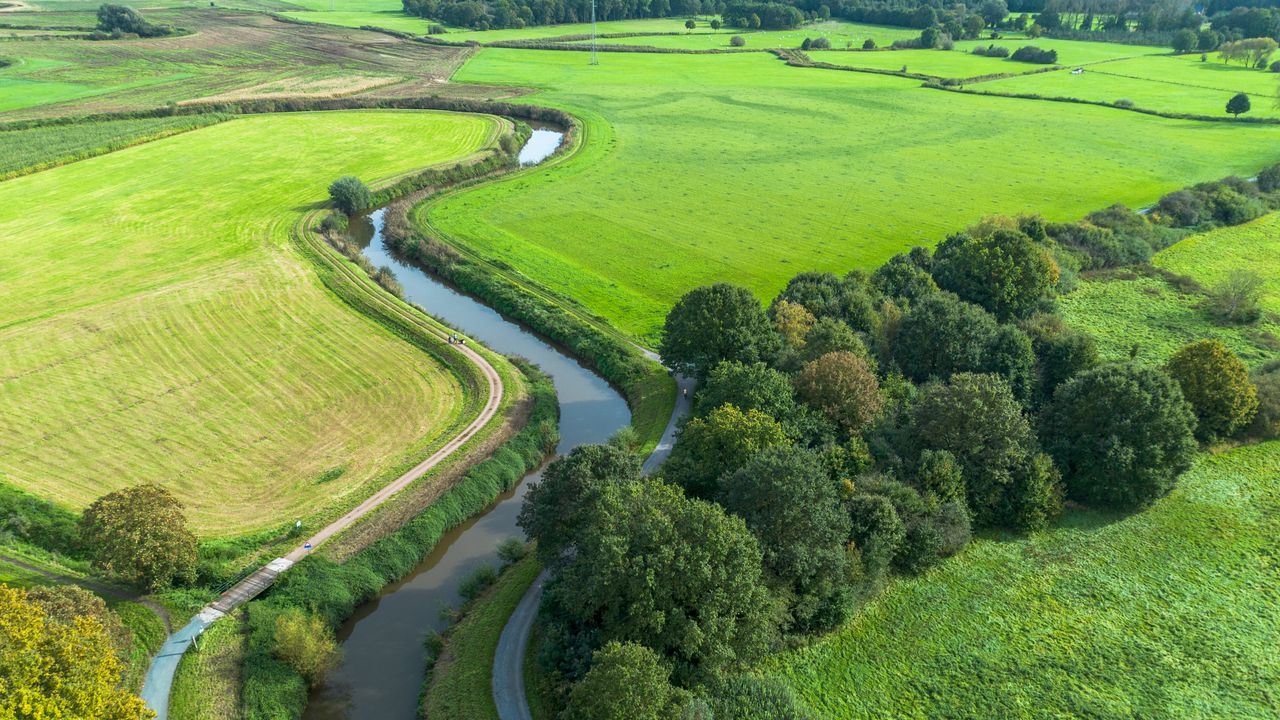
[[383, 658]]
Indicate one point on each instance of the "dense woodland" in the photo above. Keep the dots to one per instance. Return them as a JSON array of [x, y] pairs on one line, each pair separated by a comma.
[[867, 425]]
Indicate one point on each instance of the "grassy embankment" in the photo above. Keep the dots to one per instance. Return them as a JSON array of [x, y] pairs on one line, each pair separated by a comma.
[[623, 227], [170, 333]]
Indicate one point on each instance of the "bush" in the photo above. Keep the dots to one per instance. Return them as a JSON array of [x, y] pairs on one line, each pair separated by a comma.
[[1216, 383], [751, 697], [1269, 179], [121, 20], [512, 550], [737, 41], [1120, 434], [1237, 298], [868, 44], [477, 581], [820, 43], [1183, 208], [995, 51], [306, 644], [350, 194], [1033, 54]]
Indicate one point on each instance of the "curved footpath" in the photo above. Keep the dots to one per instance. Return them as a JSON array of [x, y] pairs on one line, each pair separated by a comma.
[[508, 661], [158, 684]]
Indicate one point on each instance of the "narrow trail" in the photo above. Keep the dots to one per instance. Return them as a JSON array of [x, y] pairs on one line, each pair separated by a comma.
[[93, 586], [508, 661]]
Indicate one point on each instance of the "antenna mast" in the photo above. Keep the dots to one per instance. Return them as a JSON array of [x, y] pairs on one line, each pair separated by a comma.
[[594, 59]]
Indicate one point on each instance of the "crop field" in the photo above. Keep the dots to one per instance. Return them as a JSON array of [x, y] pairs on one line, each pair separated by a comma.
[[943, 63], [1180, 84], [839, 33], [1165, 613], [855, 164], [232, 55], [22, 150], [1146, 311], [157, 325]]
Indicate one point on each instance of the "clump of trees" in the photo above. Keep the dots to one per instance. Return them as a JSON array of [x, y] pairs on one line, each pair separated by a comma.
[[350, 195], [1250, 52], [1033, 54], [138, 535], [121, 20]]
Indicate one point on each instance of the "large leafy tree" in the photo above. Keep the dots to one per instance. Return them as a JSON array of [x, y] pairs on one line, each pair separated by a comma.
[[350, 194], [842, 386], [719, 443], [1217, 385], [568, 496], [715, 323], [943, 335], [1121, 434], [140, 536], [65, 603], [747, 386], [1060, 352], [793, 508], [976, 418], [1005, 271], [626, 681], [54, 667], [674, 574]]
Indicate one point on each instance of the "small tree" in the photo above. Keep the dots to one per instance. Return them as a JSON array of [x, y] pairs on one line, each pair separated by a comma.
[[626, 681], [1236, 299], [715, 24], [350, 194], [690, 24], [1239, 103], [737, 41], [720, 443], [306, 644], [869, 44], [1216, 383], [139, 535], [1185, 40]]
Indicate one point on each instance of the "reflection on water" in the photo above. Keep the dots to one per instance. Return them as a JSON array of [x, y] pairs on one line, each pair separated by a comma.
[[382, 665]]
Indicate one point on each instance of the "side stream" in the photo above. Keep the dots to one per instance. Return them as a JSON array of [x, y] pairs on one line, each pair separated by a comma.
[[382, 665]]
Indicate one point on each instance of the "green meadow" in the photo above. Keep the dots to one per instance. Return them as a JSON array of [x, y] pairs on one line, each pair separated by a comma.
[[1167, 613], [943, 63], [157, 323], [34, 148], [857, 167], [1122, 310], [838, 32]]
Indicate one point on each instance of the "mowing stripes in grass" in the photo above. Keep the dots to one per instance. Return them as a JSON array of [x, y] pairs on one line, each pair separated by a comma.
[[157, 325]]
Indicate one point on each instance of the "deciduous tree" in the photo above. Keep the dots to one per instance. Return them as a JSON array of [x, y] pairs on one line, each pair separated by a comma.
[[715, 323], [719, 443], [842, 386], [1216, 383], [140, 536]]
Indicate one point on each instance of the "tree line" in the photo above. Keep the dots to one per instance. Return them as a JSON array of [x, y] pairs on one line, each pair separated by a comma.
[[857, 427]]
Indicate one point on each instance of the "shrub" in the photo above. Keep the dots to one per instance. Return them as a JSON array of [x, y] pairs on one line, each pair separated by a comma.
[[477, 581], [512, 550], [1120, 434], [1033, 54], [995, 51], [121, 20], [1123, 103], [1183, 208], [868, 44], [1216, 383], [820, 43], [1236, 299], [306, 644], [737, 41], [939, 476], [350, 194], [1269, 179]]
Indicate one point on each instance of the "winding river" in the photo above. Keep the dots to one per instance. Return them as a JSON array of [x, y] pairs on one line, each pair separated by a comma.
[[383, 658]]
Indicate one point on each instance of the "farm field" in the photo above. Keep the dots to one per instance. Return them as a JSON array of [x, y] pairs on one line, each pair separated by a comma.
[[930, 62], [158, 326], [1070, 52], [35, 147], [230, 56], [661, 129], [1169, 84], [1147, 311], [840, 34]]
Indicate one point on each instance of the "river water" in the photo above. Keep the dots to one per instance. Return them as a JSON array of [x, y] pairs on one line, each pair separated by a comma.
[[383, 659]]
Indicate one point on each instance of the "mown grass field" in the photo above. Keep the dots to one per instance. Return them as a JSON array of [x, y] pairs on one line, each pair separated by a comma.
[[230, 55], [1166, 613], [156, 324], [942, 63], [856, 167], [1176, 84], [839, 33]]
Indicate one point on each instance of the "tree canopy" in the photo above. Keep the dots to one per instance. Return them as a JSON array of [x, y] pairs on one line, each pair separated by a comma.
[[1005, 272], [719, 443], [626, 681], [350, 194], [842, 386], [715, 323], [1216, 383], [1121, 435], [139, 535]]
